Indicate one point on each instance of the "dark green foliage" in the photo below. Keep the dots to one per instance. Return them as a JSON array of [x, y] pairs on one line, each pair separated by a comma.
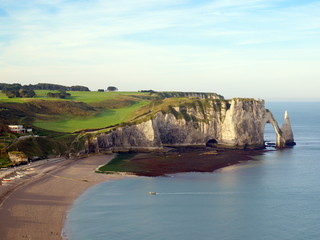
[[3, 85], [40, 146], [7, 87], [26, 93], [49, 86], [194, 118], [118, 163], [12, 93], [5, 162], [78, 88], [176, 114], [16, 90], [10, 115], [60, 94], [149, 91], [100, 90], [112, 89], [43, 86], [185, 115]]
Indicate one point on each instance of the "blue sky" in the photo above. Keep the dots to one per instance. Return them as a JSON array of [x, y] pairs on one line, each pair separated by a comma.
[[238, 48]]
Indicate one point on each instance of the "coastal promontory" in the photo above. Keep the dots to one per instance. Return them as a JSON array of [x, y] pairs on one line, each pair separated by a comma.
[[85, 122]]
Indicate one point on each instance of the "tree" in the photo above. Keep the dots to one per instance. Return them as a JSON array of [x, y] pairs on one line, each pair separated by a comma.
[[60, 94], [112, 89], [100, 90], [64, 94], [26, 93], [15, 90], [12, 93]]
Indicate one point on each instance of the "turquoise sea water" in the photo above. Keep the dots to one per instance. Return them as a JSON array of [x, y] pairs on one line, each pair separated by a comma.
[[275, 197]]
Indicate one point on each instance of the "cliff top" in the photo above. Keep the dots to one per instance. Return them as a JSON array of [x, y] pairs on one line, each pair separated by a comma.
[[87, 109]]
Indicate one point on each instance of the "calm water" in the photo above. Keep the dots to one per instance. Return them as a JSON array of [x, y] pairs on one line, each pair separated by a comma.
[[275, 197]]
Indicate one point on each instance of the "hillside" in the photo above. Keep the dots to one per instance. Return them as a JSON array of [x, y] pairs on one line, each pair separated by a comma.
[[58, 122], [83, 110], [88, 110]]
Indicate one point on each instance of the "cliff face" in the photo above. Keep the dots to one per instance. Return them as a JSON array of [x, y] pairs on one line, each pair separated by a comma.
[[237, 123], [244, 123]]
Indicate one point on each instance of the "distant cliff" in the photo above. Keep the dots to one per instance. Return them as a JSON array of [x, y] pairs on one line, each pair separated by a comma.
[[236, 123]]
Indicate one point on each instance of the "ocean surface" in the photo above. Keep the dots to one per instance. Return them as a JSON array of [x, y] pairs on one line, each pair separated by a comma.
[[276, 196]]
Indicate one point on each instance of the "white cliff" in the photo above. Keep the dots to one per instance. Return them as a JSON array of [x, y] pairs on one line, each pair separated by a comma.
[[236, 123], [287, 130]]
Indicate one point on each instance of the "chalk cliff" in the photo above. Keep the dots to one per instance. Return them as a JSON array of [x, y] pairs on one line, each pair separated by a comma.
[[236, 123], [287, 130]]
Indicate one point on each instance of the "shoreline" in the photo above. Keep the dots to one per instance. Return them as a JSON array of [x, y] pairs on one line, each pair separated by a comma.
[[36, 208], [54, 187]]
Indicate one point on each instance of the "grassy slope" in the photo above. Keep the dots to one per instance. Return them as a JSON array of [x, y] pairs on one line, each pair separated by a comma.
[[107, 109], [90, 97], [125, 105], [57, 118], [106, 118]]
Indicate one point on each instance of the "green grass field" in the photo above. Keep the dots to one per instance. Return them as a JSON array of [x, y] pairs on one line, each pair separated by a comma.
[[107, 118], [86, 97], [90, 97], [117, 164], [113, 107], [89, 110]]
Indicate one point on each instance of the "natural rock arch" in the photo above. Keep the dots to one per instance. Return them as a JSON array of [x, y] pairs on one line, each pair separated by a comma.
[[284, 135]]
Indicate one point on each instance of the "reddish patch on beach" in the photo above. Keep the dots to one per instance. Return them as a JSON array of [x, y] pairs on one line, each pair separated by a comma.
[[158, 164]]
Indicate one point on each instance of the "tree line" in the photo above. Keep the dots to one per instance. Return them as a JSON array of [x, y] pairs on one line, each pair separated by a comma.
[[27, 91], [16, 90], [43, 86]]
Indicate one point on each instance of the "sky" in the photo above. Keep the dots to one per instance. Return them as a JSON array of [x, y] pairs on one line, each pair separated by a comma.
[[268, 49]]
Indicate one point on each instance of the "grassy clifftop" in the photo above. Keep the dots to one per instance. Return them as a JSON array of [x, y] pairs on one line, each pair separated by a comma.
[[61, 120], [83, 110], [90, 110]]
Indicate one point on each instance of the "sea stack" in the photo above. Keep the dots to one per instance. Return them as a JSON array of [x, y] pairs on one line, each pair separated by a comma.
[[287, 130]]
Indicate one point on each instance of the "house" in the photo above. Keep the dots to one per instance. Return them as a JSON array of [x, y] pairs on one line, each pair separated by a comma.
[[16, 128]]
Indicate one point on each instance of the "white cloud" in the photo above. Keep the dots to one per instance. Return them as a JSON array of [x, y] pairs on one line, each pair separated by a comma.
[[163, 44]]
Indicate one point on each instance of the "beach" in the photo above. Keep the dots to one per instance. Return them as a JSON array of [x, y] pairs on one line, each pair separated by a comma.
[[36, 207]]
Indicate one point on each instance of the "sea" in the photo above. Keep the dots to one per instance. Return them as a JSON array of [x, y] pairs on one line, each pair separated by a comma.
[[276, 196]]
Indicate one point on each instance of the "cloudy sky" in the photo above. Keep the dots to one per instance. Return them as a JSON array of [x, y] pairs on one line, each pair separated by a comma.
[[266, 49]]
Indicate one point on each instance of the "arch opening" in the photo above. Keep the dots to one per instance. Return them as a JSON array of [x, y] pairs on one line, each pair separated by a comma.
[[212, 143], [270, 136]]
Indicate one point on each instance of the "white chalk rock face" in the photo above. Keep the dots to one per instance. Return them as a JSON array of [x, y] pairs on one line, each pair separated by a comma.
[[287, 130], [236, 123], [244, 123]]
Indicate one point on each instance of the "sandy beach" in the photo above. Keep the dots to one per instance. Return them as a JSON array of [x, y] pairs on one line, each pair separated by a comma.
[[35, 208]]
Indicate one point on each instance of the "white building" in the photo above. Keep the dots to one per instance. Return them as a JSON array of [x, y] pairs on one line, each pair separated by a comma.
[[17, 128]]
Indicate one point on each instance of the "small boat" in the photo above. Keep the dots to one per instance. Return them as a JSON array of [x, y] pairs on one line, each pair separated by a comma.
[[152, 193]]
